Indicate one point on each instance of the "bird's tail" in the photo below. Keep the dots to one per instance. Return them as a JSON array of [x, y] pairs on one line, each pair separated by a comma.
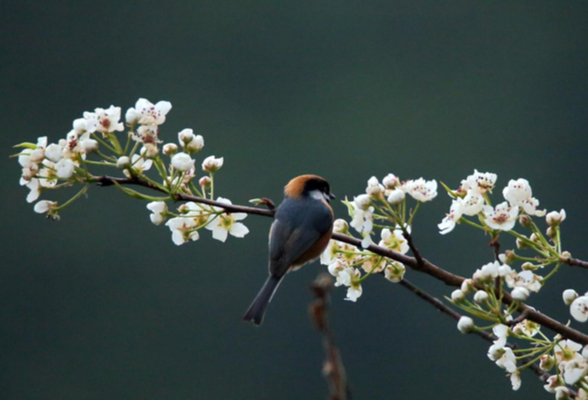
[[257, 309]]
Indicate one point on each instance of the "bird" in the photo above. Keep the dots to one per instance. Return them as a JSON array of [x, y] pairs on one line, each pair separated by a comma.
[[301, 231]]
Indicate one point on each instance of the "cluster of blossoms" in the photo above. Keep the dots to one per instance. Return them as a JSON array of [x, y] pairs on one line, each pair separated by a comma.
[[384, 203], [487, 283], [65, 163], [471, 199]]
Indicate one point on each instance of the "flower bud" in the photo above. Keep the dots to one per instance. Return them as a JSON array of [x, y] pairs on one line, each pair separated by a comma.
[[182, 162], [521, 244], [390, 181], [480, 296], [467, 286], [551, 232], [508, 257], [340, 226], [534, 238], [149, 150], [186, 136], [362, 201], [205, 182], [212, 164], [457, 295], [465, 324], [528, 266], [89, 145], [37, 155], [555, 218], [123, 162], [169, 149], [54, 152], [195, 145], [374, 189], [569, 295], [525, 220], [396, 196], [547, 362], [520, 293]]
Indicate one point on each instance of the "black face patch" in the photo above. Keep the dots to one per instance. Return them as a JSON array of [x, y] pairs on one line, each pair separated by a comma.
[[317, 184]]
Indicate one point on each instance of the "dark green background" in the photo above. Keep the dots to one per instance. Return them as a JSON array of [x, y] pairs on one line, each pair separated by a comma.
[[102, 305]]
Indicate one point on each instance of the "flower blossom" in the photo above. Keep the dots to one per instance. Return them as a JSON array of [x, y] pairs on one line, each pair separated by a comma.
[[227, 223], [503, 217], [422, 190], [145, 113]]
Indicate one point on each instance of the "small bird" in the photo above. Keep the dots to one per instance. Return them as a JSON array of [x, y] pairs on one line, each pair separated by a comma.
[[300, 232]]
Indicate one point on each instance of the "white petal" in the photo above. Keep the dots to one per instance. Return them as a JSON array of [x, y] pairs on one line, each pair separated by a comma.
[[239, 230], [220, 233]]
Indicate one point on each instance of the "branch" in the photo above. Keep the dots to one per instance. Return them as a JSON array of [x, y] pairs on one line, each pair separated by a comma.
[[333, 368], [418, 264], [439, 305], [574, 262]]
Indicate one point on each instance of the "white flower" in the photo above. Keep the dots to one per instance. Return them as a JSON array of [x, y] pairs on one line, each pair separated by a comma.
[[123, 162], [508, 360], [553, 382], [465, 324], [479, 182], [194, 145], [35, 190], [45, 206], [530, 207], [562, 393], [65, 168], [503, 217], [396, 196], [182, 162], [138, 164], [335, 268], [480, 296], [467, 285], [569, 295], [422, 190], [579, 309], [448, 223], [393, 240], [169, 149], [147, 134], [362, 202], [566, 350], [526, 279], [520, 293], [158, 210], [472, 203], [212, 164], [145, 113], [501, 331], [340, 226], [395, 271], [457, 295], [515, 380], [526, 327], [227, 223], [374, 188], [354, 291], [185, 136], [89, 145], [108, 120], [517, 192], [54, 152], [555, 218], [487, 272], [363, 221], [390, 181], [574, 370], [183, 230]]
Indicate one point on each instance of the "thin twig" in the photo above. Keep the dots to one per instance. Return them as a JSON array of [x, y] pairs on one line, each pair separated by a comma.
[[333, 368], [421, 264], [439, 305]]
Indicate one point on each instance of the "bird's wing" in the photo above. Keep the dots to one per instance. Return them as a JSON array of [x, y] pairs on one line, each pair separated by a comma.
[[288, 244]]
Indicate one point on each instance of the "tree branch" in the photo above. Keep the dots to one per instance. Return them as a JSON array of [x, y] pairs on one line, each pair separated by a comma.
[[333, 368], [418, 264], [574, 262]]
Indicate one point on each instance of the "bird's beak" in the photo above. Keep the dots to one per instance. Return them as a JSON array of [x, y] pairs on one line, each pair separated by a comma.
[[332, 196]]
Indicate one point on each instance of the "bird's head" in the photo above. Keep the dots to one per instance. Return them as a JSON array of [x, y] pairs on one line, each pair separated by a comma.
[[312, 186]]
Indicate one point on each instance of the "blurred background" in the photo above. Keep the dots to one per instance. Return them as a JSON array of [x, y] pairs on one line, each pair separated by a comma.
[[102, 304]]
